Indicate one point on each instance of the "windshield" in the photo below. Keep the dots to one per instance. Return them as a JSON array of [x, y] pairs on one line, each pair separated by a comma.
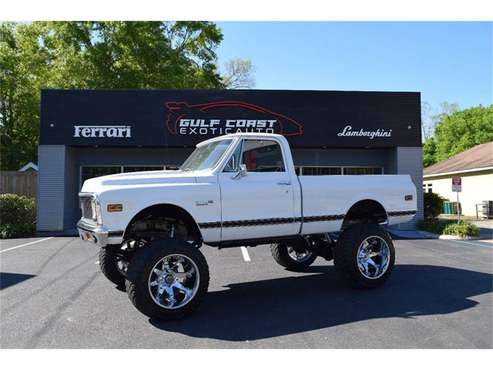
[[205, 156]]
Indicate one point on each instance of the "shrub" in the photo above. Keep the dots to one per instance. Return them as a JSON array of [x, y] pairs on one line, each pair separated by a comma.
[[461, 229], [17, 216], [448, 227], [433, 204], [433, 225]]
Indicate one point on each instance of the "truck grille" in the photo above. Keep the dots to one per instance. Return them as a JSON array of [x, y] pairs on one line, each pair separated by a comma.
[[86, 207]]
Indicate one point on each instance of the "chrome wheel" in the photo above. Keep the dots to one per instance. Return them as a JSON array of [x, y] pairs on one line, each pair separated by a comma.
[[174, 281], [373, 257], [299, 256]]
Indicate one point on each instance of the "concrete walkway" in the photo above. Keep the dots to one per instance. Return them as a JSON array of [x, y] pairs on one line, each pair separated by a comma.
[[408, 234], [485, 229]]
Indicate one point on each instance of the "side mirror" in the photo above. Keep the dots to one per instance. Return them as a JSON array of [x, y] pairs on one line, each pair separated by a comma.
[[241, 173]]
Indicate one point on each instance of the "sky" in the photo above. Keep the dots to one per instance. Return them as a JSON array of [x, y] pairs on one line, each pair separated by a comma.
[[445, 61]]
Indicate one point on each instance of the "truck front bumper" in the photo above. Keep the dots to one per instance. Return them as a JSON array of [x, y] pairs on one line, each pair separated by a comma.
[[98, 235]]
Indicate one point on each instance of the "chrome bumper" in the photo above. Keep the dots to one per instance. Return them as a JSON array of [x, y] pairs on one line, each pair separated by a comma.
[[98, 235]]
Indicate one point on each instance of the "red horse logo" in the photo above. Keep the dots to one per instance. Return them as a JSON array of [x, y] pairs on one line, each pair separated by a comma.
[[178, 110]]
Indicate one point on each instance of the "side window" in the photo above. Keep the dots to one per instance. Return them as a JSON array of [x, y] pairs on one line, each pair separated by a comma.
[[262, 156]]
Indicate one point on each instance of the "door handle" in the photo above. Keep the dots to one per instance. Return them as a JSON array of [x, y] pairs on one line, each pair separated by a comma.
[[284, 183]]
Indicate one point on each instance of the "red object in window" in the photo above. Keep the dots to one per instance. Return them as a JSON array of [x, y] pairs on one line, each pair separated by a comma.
[[250, 160]]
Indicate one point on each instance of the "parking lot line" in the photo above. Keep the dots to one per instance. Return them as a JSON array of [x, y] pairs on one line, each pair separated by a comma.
[[26, 244], [246, 256], [476, 243]]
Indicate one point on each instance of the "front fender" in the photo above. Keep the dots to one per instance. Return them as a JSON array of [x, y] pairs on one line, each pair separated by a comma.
[[200, 200]]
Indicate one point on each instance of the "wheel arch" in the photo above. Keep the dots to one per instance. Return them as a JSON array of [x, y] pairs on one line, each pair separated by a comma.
[[169, 210], [365, 211]]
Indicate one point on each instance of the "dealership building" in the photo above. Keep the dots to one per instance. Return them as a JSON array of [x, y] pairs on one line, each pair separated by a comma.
[[89, 133]]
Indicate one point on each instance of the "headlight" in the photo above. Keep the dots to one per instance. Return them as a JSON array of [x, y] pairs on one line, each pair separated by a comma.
[[96, 211]]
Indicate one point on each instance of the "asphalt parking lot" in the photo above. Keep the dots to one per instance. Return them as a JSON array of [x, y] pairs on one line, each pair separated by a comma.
[[439, 296]]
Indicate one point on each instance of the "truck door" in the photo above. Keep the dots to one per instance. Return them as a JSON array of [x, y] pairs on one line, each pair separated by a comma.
[[257, 203]]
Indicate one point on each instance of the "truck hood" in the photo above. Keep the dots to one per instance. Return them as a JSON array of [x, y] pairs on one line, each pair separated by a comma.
[[139, 179]]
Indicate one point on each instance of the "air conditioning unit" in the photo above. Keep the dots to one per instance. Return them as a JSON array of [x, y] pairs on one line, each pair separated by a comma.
[[487, 208]]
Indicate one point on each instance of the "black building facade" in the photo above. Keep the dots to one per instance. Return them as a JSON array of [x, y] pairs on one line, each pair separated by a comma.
[[88, 133]]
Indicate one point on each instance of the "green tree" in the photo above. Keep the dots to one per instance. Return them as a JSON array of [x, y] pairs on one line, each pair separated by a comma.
[[429, 152], [430, 117], [462, 130], [20, 75], [94, 55], [238, 74]]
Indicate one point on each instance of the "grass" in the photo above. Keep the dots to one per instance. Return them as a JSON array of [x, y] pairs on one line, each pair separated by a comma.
[[461, 229]]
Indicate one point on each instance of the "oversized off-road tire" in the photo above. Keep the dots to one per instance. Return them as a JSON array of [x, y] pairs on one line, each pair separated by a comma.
[[167, 279], [292, 257], [364, 255], [108, 264]]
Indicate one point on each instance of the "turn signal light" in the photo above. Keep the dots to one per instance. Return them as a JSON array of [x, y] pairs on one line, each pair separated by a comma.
[[114, 207]]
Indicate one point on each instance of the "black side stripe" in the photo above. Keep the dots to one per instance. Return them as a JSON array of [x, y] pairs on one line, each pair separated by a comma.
[[323, 218], [264, 221], [240, 223], [402, 213], [210, 225], [286, 220]]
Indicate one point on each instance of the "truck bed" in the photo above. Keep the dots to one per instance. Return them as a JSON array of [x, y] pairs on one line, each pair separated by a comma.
[[330, 197]]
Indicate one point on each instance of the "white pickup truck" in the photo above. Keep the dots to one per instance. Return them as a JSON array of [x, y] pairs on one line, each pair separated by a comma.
[[237, 190]]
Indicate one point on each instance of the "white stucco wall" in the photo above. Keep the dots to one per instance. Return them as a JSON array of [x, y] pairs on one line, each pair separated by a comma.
[[476, 187]]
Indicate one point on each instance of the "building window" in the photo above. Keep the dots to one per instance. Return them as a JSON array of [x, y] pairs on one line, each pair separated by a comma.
[[319, 171], [96, 171], [88, 172], [325, 170], [363, 171]]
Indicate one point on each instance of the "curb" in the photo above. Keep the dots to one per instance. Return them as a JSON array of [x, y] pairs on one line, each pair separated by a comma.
[[409, 234], [456, 237], [448, 237], [429, 235]]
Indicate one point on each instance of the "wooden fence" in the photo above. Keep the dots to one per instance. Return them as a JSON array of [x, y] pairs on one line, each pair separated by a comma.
[[22, 183]]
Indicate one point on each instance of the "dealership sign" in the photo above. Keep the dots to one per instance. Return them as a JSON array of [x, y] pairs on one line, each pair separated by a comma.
[[192, 126], [103, 131], [182, 118], [205, 119], [371, 134]]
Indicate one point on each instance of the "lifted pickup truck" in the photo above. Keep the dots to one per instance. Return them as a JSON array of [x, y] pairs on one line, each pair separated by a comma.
[[237, 190]]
